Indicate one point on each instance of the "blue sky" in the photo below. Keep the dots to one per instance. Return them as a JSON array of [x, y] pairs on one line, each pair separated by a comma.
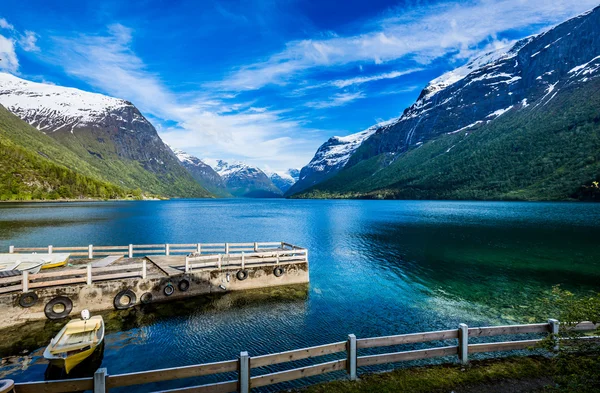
[[264, 82]]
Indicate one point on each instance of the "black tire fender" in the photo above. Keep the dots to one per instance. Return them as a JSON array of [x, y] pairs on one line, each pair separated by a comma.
[[125, 294], [59, 300], [278, 271], [183, 285], [146, 298], [28, 299], [168, 289], [242, 275]]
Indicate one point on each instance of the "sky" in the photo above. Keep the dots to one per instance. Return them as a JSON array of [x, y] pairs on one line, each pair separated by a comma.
[[260, 81]]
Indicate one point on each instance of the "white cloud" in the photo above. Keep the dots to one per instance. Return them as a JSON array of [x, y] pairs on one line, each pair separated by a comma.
[[205, 125], [8, 57], [5, 25], [338, 99], [421, 34], [28, 42]]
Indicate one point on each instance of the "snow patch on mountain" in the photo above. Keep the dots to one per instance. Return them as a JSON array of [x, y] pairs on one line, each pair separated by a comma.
[[337, 150], [58, 106]]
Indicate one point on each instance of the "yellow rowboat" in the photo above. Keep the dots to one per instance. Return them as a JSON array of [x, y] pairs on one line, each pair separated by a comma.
[[76, 341]]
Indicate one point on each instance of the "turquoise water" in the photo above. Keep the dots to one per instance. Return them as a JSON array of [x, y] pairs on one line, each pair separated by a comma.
[[376, 268]]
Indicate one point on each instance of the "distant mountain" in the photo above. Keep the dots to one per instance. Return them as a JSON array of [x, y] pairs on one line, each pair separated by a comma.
[[27, 172], [202, 173], [284, 179], [519, 123], [329, 159], [243, 180], [108, 133]]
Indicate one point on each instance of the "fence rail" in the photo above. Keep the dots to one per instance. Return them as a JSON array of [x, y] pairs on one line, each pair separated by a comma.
[[102, 382], [88, 275], [133, 250]]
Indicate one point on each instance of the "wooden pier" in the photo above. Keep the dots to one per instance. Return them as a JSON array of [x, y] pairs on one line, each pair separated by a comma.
[[148, 273]]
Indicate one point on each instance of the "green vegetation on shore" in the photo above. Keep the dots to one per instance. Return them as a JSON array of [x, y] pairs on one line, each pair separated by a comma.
[[546, 152], [28, 173], [518, 374]]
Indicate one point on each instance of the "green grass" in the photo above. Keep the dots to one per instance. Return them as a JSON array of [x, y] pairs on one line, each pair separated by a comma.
[[531, 373], [550, 152]]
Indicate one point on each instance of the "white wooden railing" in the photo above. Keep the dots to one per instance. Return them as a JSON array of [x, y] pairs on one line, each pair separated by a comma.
[[348, 360]]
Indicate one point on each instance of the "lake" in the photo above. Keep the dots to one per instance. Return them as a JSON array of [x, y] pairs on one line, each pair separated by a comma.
[[376, 268]]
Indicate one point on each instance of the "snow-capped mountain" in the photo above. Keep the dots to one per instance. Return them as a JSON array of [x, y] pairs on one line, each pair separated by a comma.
[[243, 180], [202, 173], [109, 133], [329, 159], [513, 102], [50, 108], [284, 179], [525, 73]]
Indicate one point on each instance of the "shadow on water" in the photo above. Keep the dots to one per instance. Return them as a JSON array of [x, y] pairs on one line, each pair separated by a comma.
[[23, 345], [507, 270]]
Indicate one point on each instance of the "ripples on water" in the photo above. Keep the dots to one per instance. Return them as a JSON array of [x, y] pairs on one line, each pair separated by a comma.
[[376, 268]]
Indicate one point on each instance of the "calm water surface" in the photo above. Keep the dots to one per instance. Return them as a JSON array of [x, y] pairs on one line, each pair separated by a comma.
[[376, 268]]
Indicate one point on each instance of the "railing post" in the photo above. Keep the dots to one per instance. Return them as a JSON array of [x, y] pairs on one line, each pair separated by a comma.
[[100, 381], [167, 249], [255, 247], [49, 249], [89, 274], [226, 248], [352, 358], [554, 325], [243, 260], [463, 343], [11, 249], [144, 269], [25, 281], [187, 264], [90, 251], [198, 248], [277, 257], [131, 251], [243, 373], [219, 261]]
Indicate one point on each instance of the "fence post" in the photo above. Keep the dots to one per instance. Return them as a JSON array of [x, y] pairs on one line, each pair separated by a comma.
[[244, 373], [144, 269], [90, 251], [463, 344], [219, 261], [11, 249], [25, 281], [277, 257], [131, 251], [100, 381], [89, 274], [255, 247], [226, 248], [243, 260], [352, 358], [167, 249], [198, 248], [49, 249], [187, 264], [554, 325]]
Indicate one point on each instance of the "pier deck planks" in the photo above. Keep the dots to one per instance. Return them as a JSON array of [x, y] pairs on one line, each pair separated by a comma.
[[168, 264]]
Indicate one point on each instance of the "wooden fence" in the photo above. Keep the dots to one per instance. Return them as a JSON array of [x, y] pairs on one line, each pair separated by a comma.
[[244, 259], [133, 250], [88, 275], [349, 361]]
